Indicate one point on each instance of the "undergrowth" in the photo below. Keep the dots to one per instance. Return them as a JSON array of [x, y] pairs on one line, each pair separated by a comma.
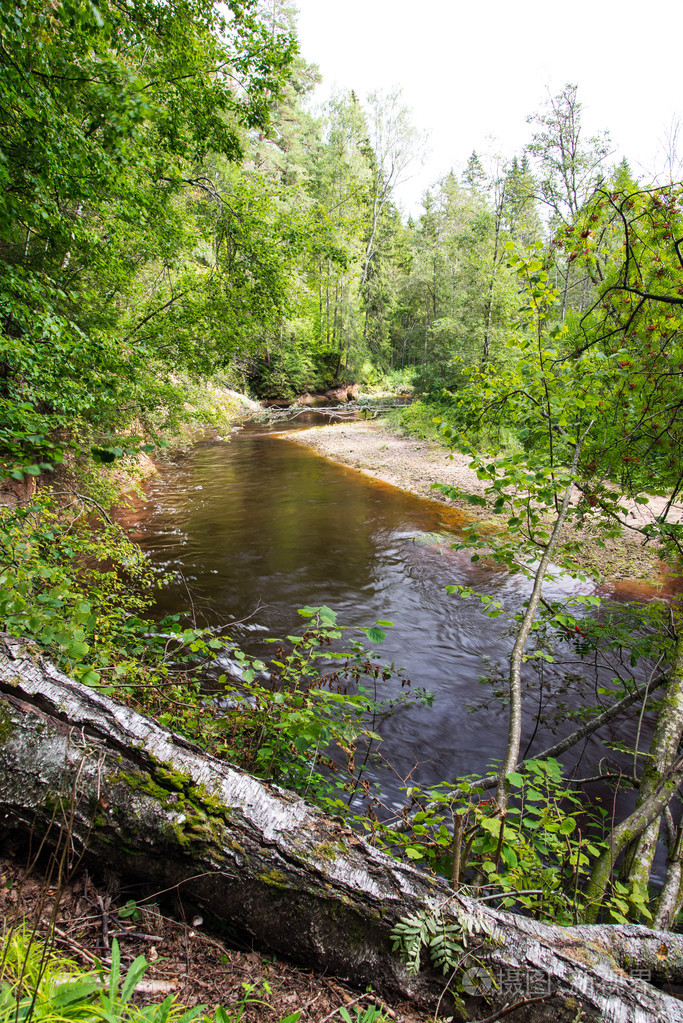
[[37, 983], [422, 419]]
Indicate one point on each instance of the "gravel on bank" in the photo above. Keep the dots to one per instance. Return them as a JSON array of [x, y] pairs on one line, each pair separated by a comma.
[[414, 465], [405, 462]]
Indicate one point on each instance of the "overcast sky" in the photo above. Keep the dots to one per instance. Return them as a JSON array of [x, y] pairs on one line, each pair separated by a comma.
[[471, 70]]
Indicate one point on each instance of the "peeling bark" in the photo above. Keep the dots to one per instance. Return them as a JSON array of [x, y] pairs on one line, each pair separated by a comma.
[[154, 808]]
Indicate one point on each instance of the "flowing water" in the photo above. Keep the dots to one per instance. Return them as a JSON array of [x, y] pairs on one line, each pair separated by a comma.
[[260, 526]]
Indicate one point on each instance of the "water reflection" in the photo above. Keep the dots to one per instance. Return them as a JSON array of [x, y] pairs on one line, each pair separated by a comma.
[[261, 526]]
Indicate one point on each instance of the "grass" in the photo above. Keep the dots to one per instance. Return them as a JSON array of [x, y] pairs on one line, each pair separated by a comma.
[[417, 420], [39, 984]]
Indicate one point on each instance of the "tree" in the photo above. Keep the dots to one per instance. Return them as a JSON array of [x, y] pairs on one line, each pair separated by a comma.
[[458, 277], [521, 219], [339, 184], [596, 401], [638, 320], [569, 167], [393, 142], [474, 175], [107, 115], [99, 780]]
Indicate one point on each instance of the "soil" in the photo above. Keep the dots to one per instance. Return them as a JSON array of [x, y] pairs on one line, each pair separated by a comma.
[[415, 465], [198, 967]]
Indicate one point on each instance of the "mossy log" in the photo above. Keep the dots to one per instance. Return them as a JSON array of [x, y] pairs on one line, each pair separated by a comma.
[[153, 808]]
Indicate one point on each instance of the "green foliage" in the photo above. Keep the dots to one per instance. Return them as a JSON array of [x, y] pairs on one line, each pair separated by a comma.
[[108, 114], [392, 381], [606, 376], [457, 298], [634, 327], [553, 402], [38, 984], [538, 857], [320, 706], [444, 934], [290, 367], [368, 1014], [152, 227], [80, 590], [59, 589], [424, 417], [587, 397]]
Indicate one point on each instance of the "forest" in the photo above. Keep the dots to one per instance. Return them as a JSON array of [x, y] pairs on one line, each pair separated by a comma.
[[178, 222]]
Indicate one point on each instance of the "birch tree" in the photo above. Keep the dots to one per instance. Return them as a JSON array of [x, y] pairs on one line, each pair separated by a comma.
[[599, 403]]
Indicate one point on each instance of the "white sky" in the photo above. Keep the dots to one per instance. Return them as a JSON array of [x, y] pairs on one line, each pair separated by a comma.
[[471, 71]]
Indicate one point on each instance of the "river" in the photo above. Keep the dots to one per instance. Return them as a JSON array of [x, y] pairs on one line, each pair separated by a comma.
[[258, 526]]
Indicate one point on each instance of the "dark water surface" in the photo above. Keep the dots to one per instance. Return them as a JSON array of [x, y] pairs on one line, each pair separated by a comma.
[[260, 526]]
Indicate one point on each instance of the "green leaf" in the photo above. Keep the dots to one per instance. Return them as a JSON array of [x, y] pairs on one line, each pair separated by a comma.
[[115, 969], [89, 678], [509, 856], [77, 650], [415, 852], [73, 992], [327, 615], [375, 634], [191, 1014], [133, 977]]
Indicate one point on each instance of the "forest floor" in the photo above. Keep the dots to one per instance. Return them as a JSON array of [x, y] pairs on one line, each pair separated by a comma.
[[386, 454], [198, 967]]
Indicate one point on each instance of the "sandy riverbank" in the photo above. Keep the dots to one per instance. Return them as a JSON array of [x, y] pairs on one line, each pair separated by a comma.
[[402, 461], [414, 465]]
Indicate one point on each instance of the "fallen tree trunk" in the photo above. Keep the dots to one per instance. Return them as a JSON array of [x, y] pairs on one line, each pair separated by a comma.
[[152, 807]]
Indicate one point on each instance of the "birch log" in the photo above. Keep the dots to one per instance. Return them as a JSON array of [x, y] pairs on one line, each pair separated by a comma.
[[153, 808]]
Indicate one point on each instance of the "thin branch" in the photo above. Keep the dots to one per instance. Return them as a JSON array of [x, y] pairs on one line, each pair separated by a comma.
[[515, 711], [151, 316]]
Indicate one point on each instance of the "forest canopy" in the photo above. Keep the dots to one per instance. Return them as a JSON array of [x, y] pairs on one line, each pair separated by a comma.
[[171, 209]]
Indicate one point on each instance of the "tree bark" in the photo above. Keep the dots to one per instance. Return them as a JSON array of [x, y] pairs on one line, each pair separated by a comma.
[[154, 808], [517, 655], [662, 754]]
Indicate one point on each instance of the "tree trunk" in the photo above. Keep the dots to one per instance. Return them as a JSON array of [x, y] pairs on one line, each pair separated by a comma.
[[517, 655], [662, 754], [153, 808]]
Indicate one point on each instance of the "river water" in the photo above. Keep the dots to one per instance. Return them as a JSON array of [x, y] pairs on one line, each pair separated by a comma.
[[259, 526]]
